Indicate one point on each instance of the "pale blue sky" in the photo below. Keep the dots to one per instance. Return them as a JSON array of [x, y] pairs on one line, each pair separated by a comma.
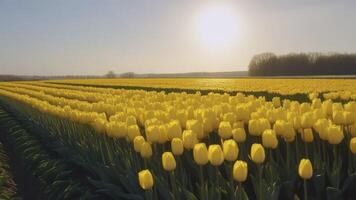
[[61, 37]]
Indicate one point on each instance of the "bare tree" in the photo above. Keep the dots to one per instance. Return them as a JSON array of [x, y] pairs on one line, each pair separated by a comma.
[[110, 74]]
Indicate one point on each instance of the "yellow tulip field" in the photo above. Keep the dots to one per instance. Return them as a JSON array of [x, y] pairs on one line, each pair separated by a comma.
[[207, 139]]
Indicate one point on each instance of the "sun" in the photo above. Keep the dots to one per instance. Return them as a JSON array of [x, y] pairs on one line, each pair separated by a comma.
[[217, 26]]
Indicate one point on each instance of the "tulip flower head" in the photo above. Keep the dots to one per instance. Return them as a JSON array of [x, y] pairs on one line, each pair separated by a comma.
[[145, 179], [257, 153], [168, 161], [240, 171], [305, 169]]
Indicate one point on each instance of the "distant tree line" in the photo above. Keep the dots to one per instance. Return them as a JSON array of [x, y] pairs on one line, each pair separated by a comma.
[[270, 64]]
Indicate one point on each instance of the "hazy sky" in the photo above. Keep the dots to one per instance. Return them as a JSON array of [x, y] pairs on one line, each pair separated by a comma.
[[61, 37]]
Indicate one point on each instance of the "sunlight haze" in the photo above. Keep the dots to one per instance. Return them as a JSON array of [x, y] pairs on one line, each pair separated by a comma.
[[92, 37]]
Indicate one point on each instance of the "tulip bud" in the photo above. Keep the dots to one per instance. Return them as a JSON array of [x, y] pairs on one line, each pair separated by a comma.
[[257, 153], [99, 125], [239, 124], [335, 135], [305, 169], [133, 131], [321, 126], [131, 120], [338, 117], [146, 150], [145, 179], [307, 135], [242, 113], [276, 102], [353, 145], [197, 127], [138, 141], [353, 130], [152, 133], [239, 134], [254, 127], [177, 146], [269, 139], [289, 132], [168, 161], [349, 118], [307, 120], [174, 130], [297, 122], [200, 154], [189, 139], [225, 130], [231, 150], [116, 129], [240, 171], [215, 155], [279, 127], [163, 135], [264, 124], [229, 117]]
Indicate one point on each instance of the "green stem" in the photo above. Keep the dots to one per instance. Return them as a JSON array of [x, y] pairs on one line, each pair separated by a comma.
[[148, 194], [288, 159], [232, 188], [260, 196], [240, 191], [217, 181], [201, 176], [305, 190], [174, 185]]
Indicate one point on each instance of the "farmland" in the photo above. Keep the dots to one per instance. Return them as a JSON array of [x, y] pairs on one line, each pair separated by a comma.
[[182, 138]]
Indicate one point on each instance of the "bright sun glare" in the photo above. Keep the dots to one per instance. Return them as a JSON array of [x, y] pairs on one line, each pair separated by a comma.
[[218, 26]]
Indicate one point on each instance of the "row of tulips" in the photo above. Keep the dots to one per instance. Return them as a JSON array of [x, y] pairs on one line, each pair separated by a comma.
[[324, 125]]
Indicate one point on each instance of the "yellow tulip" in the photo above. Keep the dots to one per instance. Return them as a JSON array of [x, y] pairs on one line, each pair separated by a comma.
[[254, 127], [353, 145], [338, 117], [240, 171], [307, 135], [353, 130], [242, 113], [200, 154], [146, 150], [174, 130], [257, 153], [152, 133], [289, 132], [168, 161], [335, 134], [321, 126], [177, 146], [305, 169], [276, 102], [264, 124], [163, 135], [189, 139], [197, 127], [138, 141], [215, 155], [225, 130], [145, 179], [231, 150], [229, 117], [239, 134], [133, 131], [279, 127], [349, 118], [307, 120], [269, 139], [131, 120]]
